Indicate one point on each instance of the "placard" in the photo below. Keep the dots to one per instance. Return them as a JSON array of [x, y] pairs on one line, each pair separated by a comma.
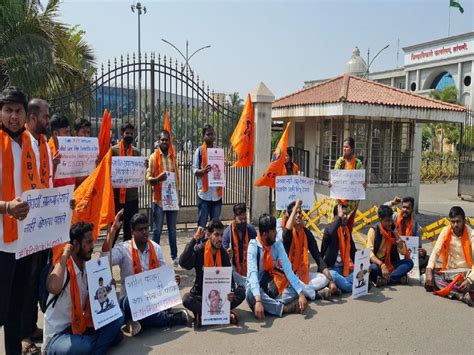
[[48, 221], [347, 184], [290, 188], [360, 283], [215, 158], [152, 291], [102, 296], [78, 156], [412, 243], [169, 194], [215, 288], [128, 172]]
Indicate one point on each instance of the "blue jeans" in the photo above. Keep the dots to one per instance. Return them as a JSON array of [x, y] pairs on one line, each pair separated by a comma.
[[344, 283], [402, 267], [160, 319], [95, 342], [270, 305], [171, 218], [208, 210]]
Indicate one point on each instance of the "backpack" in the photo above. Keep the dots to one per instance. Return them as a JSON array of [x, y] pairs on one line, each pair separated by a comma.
[[43, 293]]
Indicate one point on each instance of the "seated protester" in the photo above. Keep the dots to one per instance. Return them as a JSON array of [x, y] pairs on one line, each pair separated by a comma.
[[272, 286], [385, 248], [134, 256], [407, 226], [338, 249], [299, 242], [455, 249], [68, 327], [236, 241], [207, 254]]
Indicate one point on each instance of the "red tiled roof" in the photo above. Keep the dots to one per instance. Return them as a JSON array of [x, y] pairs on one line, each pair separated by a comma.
[[352, 89]]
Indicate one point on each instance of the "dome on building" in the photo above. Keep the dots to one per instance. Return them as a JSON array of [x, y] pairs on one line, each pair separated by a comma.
[[356, 65]]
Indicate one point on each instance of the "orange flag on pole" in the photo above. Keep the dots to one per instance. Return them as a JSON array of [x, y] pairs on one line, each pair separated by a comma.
[[242, 139], [104, 134], [277, 165], [167, 127]]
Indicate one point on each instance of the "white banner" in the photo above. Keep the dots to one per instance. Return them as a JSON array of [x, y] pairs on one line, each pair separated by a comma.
[[412, 244], [48, 220], [128, 172], [78, 156], [360, 285], [169, 194], [347, 184], [290, 188], [152, 291], [102, 296], [215, 158], [215, 288]]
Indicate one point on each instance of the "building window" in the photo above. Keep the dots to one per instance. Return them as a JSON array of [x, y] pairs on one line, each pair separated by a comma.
[[467, 80], [413, 86], [442, 81]]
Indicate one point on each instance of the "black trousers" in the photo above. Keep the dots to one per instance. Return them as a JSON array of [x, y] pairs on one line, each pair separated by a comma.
[[193, 302], [15, 293], [130, 208]]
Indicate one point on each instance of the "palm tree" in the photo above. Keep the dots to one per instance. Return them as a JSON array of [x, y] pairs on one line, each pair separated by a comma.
[[38, 53]]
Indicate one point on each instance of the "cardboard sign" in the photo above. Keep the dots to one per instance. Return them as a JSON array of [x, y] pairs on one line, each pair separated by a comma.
[[216, 286], [128, 172], [215, 158], [293, 187], [347, 184], [360, 285], [169, 194], [412, 244], [78, 156]]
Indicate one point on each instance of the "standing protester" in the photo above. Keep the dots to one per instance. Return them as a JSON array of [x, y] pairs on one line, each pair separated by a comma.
[[59, 126], [291, 168], [82, 128]]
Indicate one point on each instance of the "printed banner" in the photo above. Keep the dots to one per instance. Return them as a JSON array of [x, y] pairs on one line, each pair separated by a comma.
[[78, 156], [215, 158], [290, 188], [48, 220], [128, 172], [216, 286], [169, 194], [347, 184], [360, 285], [103, 298], [152, 291], [412, 244]]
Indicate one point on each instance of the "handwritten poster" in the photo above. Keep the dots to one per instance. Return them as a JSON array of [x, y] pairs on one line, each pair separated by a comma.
[[78, 156], [102, 296], [360, 285], [169, 194], [152, 291], [289, 188], [215, 158], [347, 184], [48, 220], [215, 288], [412, 244], [128, 172]]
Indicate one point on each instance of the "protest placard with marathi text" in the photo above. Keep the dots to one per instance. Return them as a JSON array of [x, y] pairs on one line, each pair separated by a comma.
[[215, 288], [215, 158], [128, 172], [290, 188], [347, 184]]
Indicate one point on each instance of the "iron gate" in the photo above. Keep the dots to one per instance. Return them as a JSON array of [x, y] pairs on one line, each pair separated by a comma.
[[466, 157], [165, 86]]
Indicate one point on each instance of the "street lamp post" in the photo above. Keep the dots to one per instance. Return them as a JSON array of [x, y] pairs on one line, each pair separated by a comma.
[[141, 10], [369, 62], [186, 57]]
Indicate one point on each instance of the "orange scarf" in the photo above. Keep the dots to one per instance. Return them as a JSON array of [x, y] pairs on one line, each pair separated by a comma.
[[466, 248], [348, 165], [153, 261], [279, 278], [158, 169], [389, 242], [447, 290], [129, 153], [29, 178], [345, 247], [298, 255], [408, 226], [205, 180], [209, 258], [235, 243], [80, 319], [45, 171]]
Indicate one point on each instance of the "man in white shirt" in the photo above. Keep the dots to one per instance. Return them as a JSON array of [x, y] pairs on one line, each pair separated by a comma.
[[68, 327], [137, 255]]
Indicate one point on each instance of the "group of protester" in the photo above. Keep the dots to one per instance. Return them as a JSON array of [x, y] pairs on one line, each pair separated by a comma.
[[271, 267]]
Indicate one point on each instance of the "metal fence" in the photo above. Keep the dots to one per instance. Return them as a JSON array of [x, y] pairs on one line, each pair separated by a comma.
[[466, 157]]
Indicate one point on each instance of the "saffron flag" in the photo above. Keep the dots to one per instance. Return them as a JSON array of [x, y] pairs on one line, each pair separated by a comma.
[[167, 127], [242, 139], [456, 3], [277, 165], [104, 134]]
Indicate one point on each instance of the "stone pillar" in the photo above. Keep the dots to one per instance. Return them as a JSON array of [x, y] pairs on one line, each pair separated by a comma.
[[262, 99], [418, 88], [416, 163], [459, 82]]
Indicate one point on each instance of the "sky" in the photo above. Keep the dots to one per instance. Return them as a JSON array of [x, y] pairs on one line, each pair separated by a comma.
[[279, 42]]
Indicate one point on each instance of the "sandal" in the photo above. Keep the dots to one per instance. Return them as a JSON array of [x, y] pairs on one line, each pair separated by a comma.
[[29, 348], [133, 328], [234, 318]]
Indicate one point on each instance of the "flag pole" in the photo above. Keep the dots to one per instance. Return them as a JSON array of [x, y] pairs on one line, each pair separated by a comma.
[[449, 18]]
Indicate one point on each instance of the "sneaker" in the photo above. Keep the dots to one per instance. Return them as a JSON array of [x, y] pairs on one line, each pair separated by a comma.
[[178, 318], [404, 280], [175, 262], [381, 282], [292, 307], [323, 294], [467, 299]]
